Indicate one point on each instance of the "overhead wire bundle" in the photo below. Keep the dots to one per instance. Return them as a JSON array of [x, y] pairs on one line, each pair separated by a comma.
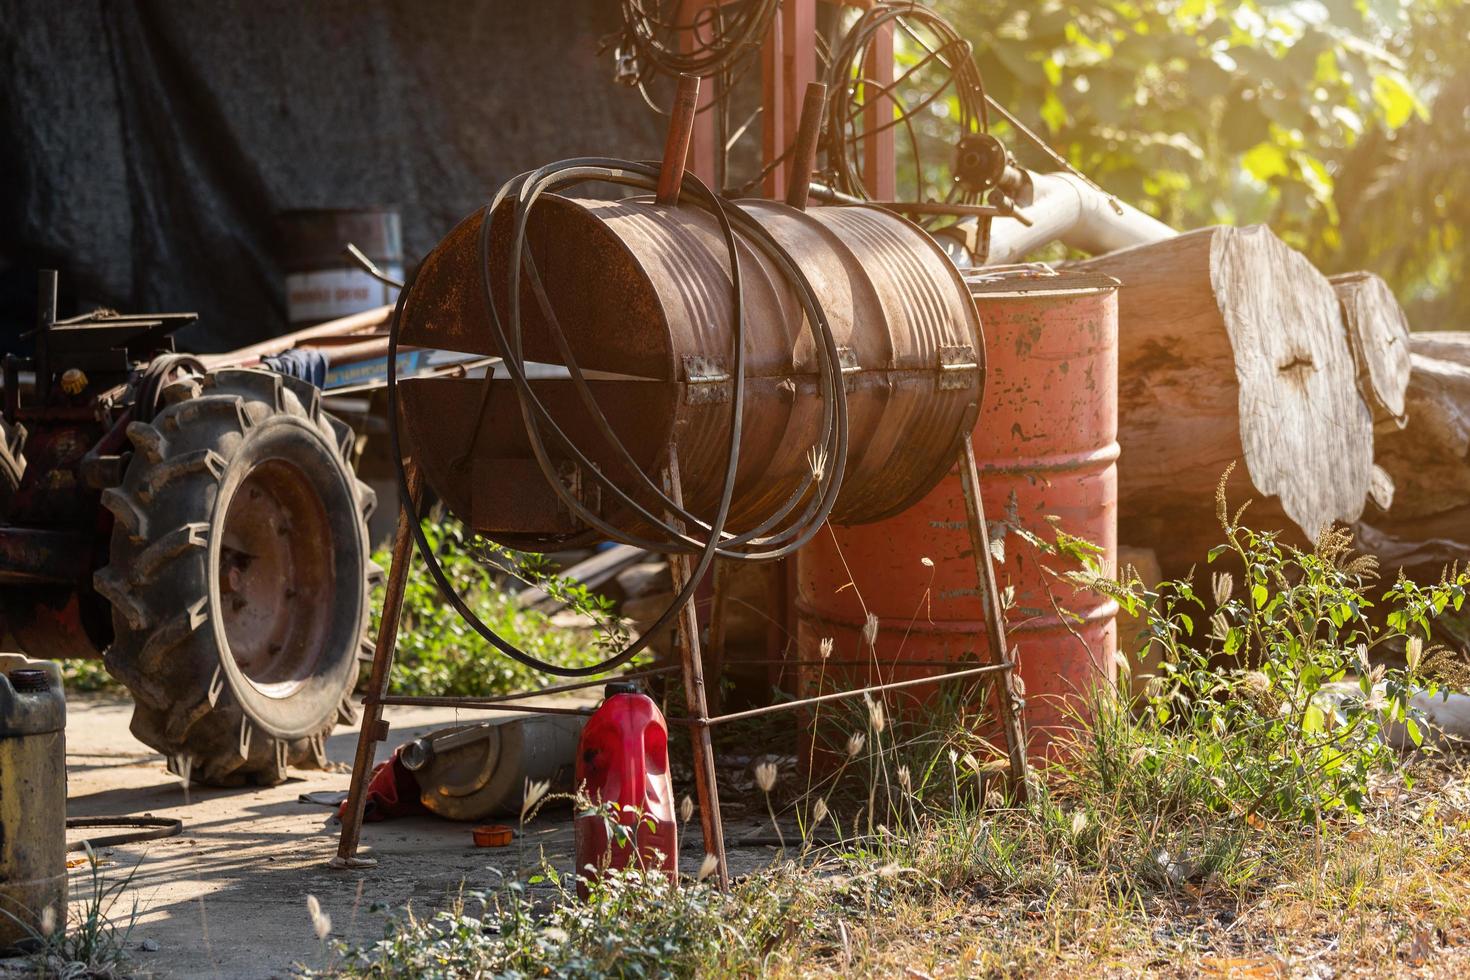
[[718, 38], [852, 91], [785, 529]]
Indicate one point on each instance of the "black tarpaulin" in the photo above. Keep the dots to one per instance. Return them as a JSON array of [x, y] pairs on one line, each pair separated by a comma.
[[149, 145]]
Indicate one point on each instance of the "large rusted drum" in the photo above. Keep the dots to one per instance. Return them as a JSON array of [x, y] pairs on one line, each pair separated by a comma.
[[642, 292], [1046, 446]]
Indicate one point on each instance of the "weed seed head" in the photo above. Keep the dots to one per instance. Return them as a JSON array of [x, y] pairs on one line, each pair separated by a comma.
[[707, 867], [870, 630], [905, 779], [819, 810], [876, 719], [1414, 653], [321, 922], [534, 792], [48, 920], [686, 809], [765, 776], [1223, 586], [817, 458], [825, 648], [1079, 822], [855, 743]]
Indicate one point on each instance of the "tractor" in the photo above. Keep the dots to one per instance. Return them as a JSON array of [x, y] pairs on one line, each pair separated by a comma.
[[194, 523]]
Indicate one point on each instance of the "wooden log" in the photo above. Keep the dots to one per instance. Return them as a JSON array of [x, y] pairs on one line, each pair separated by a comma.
[[1232, 349], [1427, 524], [1378, 336]]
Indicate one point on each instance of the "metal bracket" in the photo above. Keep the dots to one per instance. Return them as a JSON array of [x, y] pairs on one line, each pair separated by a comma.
[[957, 367], [705, 380], [848, 360]]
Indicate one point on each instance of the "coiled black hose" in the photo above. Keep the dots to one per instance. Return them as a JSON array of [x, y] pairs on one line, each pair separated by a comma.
[[709, 538]]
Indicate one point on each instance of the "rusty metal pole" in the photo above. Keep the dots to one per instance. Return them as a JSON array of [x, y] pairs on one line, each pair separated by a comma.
[[1007, 695], [45, 320], [676, 146], [706, 788], [804, 152], [373, 729]]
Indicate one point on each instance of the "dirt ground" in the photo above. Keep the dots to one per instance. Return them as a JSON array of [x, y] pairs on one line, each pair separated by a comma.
[[227, 898]]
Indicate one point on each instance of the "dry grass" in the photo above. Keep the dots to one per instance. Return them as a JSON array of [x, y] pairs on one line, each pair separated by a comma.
[[1388, 898], [1223, 825]]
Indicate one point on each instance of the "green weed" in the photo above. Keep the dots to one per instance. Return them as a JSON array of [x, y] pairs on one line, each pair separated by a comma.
[[91, 942], [439, 654]]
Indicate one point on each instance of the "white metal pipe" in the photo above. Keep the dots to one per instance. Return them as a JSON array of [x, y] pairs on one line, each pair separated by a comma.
[[1067, 209]]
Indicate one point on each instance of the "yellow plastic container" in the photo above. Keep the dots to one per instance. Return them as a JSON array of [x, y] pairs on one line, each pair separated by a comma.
[[32, 799]]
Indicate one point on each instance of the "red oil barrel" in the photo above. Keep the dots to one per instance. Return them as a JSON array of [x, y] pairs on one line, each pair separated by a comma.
[[1046, 443], [623, 759]]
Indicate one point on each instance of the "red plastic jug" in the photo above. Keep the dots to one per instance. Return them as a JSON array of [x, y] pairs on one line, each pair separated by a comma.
[[623, 759]]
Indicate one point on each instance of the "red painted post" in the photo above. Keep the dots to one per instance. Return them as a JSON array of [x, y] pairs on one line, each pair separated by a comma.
[[880, 169]]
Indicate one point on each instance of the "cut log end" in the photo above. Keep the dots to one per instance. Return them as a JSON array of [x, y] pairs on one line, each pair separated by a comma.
[[1427, 524], [1378, 332], [1306, 432], [1232, 347]]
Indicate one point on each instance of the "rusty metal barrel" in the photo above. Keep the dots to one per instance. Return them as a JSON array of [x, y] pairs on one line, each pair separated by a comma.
[[322, 283], [642, 292], [1046, 442]]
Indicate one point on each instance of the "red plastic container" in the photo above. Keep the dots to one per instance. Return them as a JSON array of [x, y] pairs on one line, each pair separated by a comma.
[[623, 759]]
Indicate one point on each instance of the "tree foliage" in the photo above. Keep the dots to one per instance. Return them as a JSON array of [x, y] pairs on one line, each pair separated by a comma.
[[1345, 124]]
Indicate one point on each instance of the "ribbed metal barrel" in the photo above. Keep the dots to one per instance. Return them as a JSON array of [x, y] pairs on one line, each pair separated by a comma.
[[1046, 444], [642, 292]]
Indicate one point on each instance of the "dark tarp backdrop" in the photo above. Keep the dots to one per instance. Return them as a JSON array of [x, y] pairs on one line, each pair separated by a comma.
[[151, 144]]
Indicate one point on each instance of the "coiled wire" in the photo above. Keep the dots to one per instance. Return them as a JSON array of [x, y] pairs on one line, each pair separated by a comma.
[[778, 535], [846, 74]]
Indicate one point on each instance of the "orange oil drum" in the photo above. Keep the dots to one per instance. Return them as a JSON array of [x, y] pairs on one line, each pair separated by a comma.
[[1046, 444]]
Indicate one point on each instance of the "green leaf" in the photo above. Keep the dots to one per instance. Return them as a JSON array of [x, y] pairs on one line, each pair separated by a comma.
[[1259, 595], [1053, 113], [1265, 161], [1396, 100], [1415, 735]]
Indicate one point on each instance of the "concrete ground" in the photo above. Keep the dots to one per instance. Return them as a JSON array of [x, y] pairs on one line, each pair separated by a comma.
[[227, 898]]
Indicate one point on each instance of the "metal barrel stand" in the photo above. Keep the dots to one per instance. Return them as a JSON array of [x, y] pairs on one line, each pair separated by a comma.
[[1009, 704]]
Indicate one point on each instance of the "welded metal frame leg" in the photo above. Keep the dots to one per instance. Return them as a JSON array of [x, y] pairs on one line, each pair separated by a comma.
[[373, 729], [706, 789], [1007, 693]]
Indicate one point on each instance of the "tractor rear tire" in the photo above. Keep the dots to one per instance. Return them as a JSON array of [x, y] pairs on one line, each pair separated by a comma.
[[238, 577], [12, 464]]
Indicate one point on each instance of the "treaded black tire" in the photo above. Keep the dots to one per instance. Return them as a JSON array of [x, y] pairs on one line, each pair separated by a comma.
[[223, 717], [12, 464]]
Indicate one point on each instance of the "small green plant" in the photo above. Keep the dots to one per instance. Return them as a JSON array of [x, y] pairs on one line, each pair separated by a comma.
[[92, 943], [87, 676], [439, 654], [1250, 690], [633, 923]]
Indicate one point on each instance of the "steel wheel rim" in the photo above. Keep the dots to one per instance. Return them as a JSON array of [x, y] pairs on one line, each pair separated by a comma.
[[273, 576]]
